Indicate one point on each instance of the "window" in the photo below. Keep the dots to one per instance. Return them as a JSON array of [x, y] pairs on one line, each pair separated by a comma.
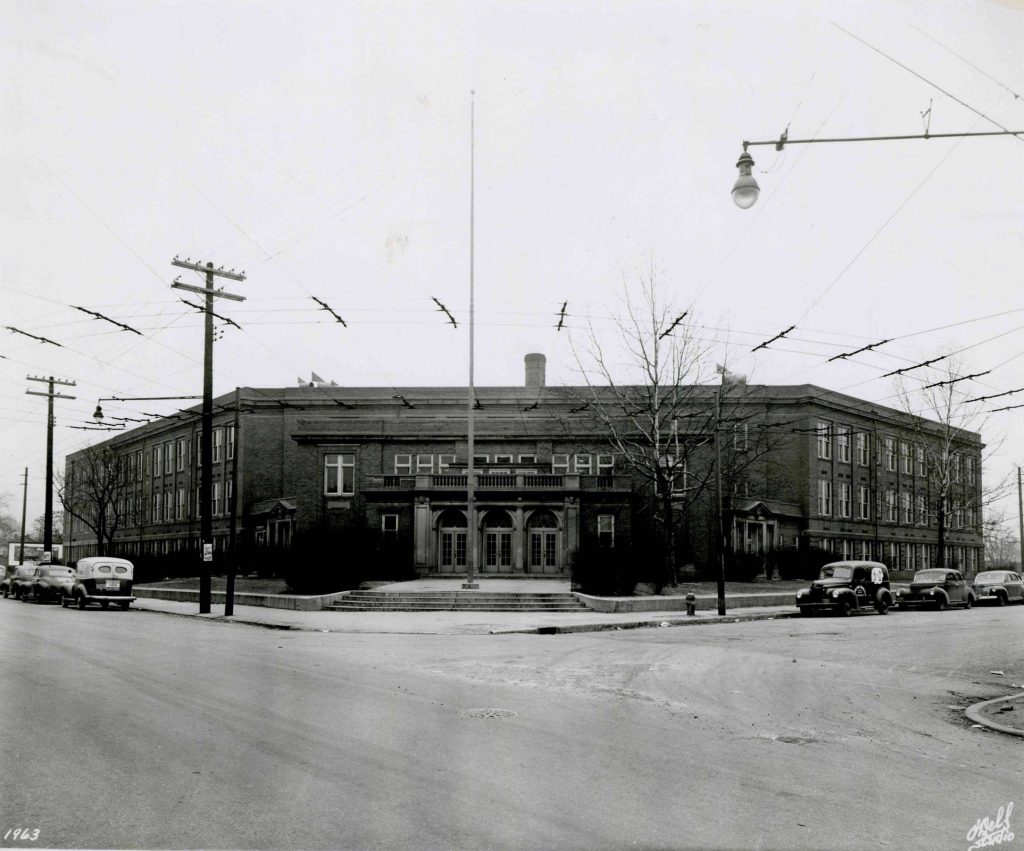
[[215, 499], [606, 530], [908, 461], [218, 444], [845, 497], [229, 490], [824, 440], [907, 508], [825, 497], [559, 464], [843, 444], [581, 464], [922, 471], [480, 460], [863, 448], [179, 454], [339, 475], [138, 466], [677, 472], [199, 501], [168, 457], [444, 462], [157, 460], [890, 454], [864, 503], [403, 465], [169, 505], [605, 465], [230, 433], [969, 461], [389, 525], [740, 433], [503, 459], [891, 512], [179, 504], [527, 459], [157, 507], [424, 464]]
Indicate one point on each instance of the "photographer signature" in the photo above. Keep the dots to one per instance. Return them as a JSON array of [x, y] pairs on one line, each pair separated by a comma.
[[987, 833]]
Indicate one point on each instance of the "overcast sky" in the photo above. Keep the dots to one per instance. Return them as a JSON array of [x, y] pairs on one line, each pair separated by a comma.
[[324, 148]]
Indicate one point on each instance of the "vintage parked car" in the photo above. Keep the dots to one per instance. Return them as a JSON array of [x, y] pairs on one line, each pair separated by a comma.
[[936, 587], [847, 586], [103, 580], [11, 573], [999, 587], [48, 582]]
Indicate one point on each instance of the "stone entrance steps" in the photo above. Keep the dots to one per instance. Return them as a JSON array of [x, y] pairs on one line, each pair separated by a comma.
[[456, 601]]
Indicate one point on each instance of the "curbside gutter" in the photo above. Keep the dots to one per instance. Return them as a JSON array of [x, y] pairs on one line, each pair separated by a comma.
[[648, 624], [705, 602], [978, 715], [269, 601]]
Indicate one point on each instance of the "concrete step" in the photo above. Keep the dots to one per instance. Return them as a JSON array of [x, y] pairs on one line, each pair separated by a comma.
[[441, 601]]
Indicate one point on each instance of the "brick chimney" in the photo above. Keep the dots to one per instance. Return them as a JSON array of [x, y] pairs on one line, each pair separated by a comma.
[[535, 370]]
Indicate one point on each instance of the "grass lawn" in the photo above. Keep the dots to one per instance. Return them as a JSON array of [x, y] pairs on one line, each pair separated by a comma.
[[243, 584]]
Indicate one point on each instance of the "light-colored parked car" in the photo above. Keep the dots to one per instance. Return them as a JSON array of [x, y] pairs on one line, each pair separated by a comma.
[[999, 587], [103, 580]]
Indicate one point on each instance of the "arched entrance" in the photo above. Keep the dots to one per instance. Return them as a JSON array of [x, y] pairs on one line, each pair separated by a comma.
[[497, 542], [544, 554], [451, 541]]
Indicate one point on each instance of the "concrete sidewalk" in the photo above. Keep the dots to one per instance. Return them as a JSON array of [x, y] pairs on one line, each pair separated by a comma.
[[455, 623]]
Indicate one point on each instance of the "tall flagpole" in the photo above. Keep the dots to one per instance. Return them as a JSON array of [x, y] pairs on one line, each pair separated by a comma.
[[471, 403]]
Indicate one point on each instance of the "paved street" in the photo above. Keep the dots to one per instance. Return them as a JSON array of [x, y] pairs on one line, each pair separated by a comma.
[[138, 729]]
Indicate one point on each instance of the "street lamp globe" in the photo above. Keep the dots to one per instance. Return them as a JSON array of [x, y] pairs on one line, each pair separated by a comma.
[[745, 190]]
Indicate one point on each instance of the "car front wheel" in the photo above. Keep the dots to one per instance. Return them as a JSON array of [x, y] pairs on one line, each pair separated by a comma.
[[80, 599], [941, 604], [1000, 599], [968, 602], [882, 607], [843, 607]]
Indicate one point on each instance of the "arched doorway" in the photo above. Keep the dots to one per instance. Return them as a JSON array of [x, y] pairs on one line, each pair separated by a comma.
[[451, 541], [497, 549], [543, 551]]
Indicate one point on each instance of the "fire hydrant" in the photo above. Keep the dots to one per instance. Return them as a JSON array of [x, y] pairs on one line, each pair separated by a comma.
[[691, 604]]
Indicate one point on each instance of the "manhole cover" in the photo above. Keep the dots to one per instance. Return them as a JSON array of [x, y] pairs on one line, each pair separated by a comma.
[[487, 713]]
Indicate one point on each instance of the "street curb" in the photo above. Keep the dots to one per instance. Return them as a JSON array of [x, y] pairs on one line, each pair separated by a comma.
[[605, 627], [974, 713]]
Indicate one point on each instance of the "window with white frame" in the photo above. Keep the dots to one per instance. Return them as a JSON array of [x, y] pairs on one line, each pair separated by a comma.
[[403, 465], [179, 504], [824, 497], [969, 462], [890, 454], [339, 474], [922, 470], [218, 445], [168, 457], [863, 448], [864, 503], [582, 464], [677, 472], [906, 508], [605, 465], [905, 456], [481, 460], [958, 517], [229, 433], [527, 459], [559, 464], [424, 464], [919, 510], [157, 460], [179, 454], [891, 506], [955, 465], [445, 461], [157, 506], [389, 525], [229, 490], [217, 506], [169, 505], [740, 434], [503, 459], [843, 444], [138, 466], [845, 498], [824, 440], [606, 530]]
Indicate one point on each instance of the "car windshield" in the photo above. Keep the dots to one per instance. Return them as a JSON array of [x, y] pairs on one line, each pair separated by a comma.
[[836, 571], [930, 576], [62, 572], [991, 576]]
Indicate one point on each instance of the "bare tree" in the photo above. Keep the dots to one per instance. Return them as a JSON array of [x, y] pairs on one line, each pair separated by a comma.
[[92, 492], [946, 421], [662, 425]]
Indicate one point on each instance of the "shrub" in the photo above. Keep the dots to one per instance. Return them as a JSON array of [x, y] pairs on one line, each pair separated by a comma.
[[792, 563], [604, 571], [324, 560], [742, 567]]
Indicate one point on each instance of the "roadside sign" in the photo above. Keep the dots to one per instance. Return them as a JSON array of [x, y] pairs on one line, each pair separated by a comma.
[[207, 552]]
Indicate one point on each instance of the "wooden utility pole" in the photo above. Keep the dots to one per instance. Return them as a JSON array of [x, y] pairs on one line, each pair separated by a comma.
[[471, 582], [229, 595], [24, 506], [206, 438], [48, 516], [1020, 517]]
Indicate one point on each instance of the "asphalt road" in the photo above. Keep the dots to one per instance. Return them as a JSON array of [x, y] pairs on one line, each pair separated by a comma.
[[133, 729]]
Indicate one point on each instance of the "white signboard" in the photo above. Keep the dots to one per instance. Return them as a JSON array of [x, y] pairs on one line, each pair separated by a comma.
[[207, 552]]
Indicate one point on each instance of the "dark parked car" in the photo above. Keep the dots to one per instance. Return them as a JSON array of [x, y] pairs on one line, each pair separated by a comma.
[[936, 587], [847, 586], [11, 573], [999, 587], [49, 582]]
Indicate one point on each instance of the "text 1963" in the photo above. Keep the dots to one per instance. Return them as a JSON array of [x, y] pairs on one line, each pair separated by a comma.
[[22, 834]]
